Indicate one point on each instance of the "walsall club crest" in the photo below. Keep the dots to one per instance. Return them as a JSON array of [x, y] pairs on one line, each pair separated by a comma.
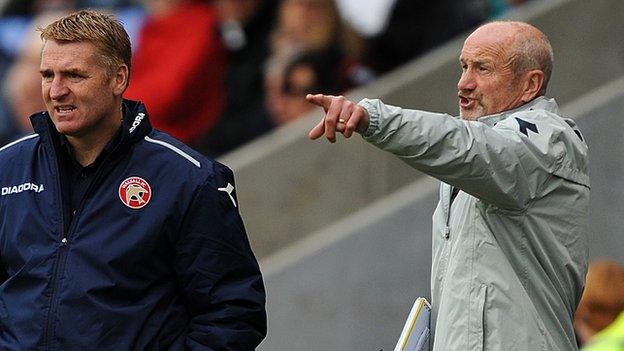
[[135, 192]]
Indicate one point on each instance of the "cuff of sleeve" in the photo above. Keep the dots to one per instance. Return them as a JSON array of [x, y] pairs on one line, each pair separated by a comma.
[[373, 115]]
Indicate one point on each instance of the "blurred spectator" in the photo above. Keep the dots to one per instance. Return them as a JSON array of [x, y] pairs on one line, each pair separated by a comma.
[[22, 86], [21, 82], [609, 339], [306, 24], [310, 29], [29, 8], [600, 306], [245, 29], [179, 67], [310, 72], [302, 25]]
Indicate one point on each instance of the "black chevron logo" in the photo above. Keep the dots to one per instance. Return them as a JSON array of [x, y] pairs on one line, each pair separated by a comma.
[[524, 125]]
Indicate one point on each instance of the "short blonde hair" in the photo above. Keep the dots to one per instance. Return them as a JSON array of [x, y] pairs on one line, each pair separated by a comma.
[[102, 30]]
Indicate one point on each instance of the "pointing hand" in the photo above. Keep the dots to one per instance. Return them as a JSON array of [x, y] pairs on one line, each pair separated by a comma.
[[341, 115]]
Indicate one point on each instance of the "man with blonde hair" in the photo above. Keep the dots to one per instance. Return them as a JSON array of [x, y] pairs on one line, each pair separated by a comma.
[[509, 233], [113, 235]]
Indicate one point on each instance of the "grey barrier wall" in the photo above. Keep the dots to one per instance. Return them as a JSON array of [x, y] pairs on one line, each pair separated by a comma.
[[289, 186], [602, 125], [351, 285]]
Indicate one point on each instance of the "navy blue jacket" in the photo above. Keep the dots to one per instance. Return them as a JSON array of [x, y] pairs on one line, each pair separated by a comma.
[[155, 258]]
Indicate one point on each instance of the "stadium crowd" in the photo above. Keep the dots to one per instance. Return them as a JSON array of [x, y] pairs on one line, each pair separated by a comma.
[[219, 73]]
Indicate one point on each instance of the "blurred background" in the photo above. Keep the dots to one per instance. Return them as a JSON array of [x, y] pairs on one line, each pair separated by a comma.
[[342, 231]]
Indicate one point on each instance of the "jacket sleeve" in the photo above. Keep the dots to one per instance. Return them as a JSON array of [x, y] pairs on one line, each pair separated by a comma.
[[505, 165], [218, 272]]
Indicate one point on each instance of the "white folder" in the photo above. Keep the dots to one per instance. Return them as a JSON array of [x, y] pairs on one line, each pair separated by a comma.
[[416, 332]]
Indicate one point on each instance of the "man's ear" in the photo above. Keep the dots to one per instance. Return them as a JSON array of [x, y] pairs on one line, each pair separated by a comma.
[[534, 80], [120, 79]]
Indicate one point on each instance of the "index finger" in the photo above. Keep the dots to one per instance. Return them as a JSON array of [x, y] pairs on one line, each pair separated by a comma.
[[321, 100]]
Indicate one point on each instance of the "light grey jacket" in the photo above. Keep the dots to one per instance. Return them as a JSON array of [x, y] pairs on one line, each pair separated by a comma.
[[510, 251]]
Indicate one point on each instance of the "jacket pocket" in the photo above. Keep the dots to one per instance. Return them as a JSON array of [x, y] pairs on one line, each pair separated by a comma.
[[478, 327]]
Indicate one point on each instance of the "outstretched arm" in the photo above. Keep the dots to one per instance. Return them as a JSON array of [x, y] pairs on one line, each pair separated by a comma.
[[504, 165]]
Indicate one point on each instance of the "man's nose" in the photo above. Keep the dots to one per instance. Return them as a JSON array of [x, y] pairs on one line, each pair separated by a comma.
[[466, 81], [58, 89]]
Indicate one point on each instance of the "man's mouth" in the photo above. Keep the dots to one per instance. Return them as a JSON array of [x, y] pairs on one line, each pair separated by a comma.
[[466, 103], [64, 109]]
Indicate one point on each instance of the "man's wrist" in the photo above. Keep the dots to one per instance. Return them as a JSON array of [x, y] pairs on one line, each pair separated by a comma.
[[372, 119]]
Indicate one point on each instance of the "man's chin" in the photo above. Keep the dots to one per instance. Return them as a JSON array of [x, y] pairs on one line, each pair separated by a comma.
[[67, 129], [471, 115]]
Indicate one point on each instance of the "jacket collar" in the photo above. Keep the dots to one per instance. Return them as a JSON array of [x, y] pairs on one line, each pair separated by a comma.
[[539, 103], [135, 125]]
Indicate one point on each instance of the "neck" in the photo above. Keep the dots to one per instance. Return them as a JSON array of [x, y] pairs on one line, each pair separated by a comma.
[[86, 152]]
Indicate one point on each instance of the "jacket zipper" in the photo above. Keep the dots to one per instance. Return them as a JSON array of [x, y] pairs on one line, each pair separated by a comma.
[[59, 264], [48, 334], [447, 226]]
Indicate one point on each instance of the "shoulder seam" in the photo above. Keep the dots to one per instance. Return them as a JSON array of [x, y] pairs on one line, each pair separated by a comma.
[[18, 141], [174, 149]]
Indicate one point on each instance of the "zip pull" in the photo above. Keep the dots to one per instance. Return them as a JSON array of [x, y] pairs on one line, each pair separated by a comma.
[[447, 232], [64, 242]]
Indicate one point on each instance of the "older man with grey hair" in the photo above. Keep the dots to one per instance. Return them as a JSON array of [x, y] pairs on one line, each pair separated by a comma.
[[509, 233]]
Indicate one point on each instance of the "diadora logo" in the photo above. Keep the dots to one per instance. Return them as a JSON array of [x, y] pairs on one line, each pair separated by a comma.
[[137, 121], [135, 192], [16, 189]]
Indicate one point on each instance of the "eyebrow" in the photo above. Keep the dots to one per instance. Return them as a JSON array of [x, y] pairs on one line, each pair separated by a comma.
[[65, 71], [476, 62]]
